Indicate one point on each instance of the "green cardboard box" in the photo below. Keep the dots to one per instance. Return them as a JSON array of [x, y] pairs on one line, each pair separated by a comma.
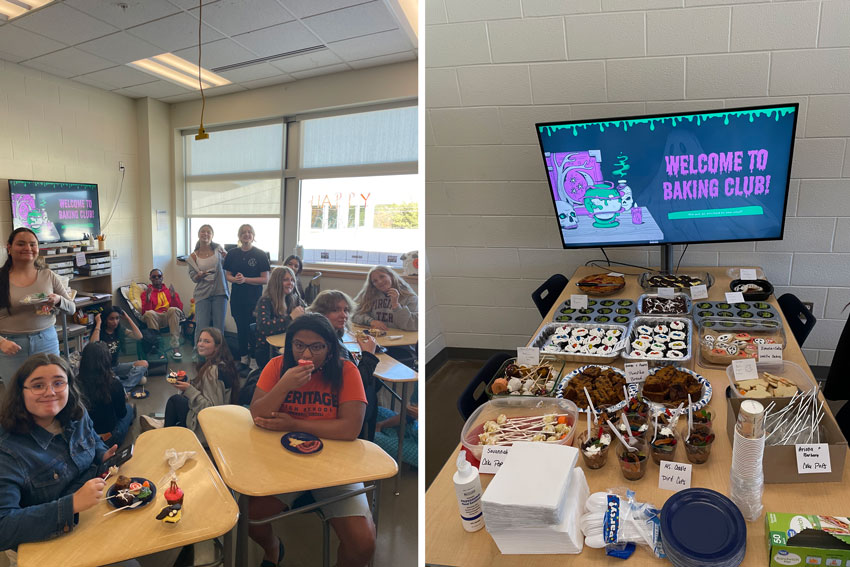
[[799, 539]]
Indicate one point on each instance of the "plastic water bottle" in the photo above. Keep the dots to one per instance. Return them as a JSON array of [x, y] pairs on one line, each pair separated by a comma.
[[746, 479]]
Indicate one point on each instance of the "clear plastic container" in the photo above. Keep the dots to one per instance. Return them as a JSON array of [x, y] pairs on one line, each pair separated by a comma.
[[651, 321], [515, 407], [652, 281], [788, 370], [642, 308], [745, 334], [555, 375]]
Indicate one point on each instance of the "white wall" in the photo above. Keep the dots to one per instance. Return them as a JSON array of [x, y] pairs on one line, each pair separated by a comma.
[[53, 129], [493, 69]]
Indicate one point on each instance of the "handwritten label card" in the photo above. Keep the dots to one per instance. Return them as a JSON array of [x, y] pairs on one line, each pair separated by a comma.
[[492, 458], [615, 274], [81, 259], [527, 356], [813, 458], [745, 369], [770, 353], [674, 476], [636, 372], [578, 301], [734, 297], [699, 292], [748, 274], [665, 292]]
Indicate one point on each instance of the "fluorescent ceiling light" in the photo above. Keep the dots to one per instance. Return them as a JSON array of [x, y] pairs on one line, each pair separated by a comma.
[[179, 71], [14, 8]]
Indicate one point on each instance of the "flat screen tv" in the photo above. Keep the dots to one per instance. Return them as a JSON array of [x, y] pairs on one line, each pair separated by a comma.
[[56, 211], [690, 177]]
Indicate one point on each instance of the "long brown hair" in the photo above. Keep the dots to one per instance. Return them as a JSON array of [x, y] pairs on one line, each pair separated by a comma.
[[369, 293], [281, 304], [327, 302], [5, 289], [15, 417], [222, 359], [213, 245]]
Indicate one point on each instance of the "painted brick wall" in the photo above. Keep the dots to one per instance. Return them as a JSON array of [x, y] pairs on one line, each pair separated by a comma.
[[53, 129], [495, 67]]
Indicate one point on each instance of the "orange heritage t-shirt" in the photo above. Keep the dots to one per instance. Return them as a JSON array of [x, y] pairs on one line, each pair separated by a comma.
[[314, 400]]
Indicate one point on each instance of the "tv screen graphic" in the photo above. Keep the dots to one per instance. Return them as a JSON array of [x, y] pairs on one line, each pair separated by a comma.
[[55, 211], [710, 176]]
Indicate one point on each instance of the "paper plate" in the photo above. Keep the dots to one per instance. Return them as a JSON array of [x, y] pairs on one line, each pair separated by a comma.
[[696, 404], [113, 491], [301, 443], [633, 389], [703, 527]]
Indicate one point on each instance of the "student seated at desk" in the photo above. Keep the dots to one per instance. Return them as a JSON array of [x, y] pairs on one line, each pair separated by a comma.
[[50, 455], [216, 383], [109, 331], [386, 301], [312, 389], [103, 394], [279, 305], [337, 307]]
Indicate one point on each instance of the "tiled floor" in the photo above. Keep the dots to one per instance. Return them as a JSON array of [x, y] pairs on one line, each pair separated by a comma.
[[397, 531]]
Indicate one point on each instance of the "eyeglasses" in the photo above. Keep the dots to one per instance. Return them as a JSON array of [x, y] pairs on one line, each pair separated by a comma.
[[315, 348], [41, 388]]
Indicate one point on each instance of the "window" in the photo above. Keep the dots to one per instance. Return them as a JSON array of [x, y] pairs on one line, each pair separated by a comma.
[[233, 178], [359, 189], [344, 186]]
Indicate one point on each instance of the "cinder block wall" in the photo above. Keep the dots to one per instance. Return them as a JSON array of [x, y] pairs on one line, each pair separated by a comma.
[[495, 67]]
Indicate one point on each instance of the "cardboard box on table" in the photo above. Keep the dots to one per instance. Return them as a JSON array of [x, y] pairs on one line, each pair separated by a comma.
[[780, 462], [820, 540]]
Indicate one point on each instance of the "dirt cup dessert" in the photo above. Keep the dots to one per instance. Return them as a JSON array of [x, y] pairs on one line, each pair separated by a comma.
[[702, 418], [698, 445], [663, 446], [595, 449], [637, 423], [636, 406], [633, 463]]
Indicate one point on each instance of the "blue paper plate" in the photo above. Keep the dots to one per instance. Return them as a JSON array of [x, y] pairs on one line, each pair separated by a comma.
[[301, 443], [703, 527]]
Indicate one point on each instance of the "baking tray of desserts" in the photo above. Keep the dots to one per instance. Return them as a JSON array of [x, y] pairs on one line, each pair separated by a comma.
[[654, 304], [722, 340], [576, 343], [599, 311], [659, 340], [514, 380], [680, 282], [760, 310]]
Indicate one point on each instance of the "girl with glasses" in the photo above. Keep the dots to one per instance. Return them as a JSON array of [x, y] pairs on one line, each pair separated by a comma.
[[312, 389], [30, 295]]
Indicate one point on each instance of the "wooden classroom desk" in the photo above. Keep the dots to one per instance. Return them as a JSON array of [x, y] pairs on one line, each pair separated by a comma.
[[446, 542], [252, 461], [100, 540], [407, 338]]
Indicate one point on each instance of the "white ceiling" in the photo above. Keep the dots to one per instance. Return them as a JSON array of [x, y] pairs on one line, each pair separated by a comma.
[[91, 41]]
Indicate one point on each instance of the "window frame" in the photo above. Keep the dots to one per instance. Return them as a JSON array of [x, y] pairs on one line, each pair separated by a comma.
[[292, 174]]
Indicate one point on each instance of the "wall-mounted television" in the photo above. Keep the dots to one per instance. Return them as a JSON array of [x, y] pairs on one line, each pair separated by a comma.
[[689, 177], [56, 211]]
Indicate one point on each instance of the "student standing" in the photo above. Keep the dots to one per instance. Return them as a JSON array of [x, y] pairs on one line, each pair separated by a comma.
[[247, 268], [206, 269]]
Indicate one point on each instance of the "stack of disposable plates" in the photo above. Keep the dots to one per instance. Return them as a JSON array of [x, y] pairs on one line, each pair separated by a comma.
[[534, 502], [701, 528]]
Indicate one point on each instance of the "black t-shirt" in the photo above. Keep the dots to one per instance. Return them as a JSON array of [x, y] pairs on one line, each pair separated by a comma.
[[250, 264], [106, 415], [113, 341]]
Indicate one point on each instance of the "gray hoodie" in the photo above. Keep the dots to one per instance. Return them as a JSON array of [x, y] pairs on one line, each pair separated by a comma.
[[211, 284]]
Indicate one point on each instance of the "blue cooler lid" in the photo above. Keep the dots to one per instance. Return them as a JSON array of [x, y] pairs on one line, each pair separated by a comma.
[[701, 526]]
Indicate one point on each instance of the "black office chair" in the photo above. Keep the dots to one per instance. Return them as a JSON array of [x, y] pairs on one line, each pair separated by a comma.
[[837, 385], [544, 297], [799, 318], [475, 395]]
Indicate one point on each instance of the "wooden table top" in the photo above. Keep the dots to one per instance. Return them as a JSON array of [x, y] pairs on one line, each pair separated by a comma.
[[405, 338], [446, 542], [209, 512], [252, 461], [391, 370]]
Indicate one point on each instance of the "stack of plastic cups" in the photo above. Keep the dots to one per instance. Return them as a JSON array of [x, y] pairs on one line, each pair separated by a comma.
[[747, 475]]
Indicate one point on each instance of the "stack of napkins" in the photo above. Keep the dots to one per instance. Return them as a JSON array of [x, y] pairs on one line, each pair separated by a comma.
[[534, 502]]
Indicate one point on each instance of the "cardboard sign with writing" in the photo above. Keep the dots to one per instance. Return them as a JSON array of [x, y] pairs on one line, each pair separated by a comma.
[[492, 458], [699, 292], [636, 372], [813, 458], [674, 476], [734, 297], [527, 356], [745, 369], [578, 301], [770, 353]]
